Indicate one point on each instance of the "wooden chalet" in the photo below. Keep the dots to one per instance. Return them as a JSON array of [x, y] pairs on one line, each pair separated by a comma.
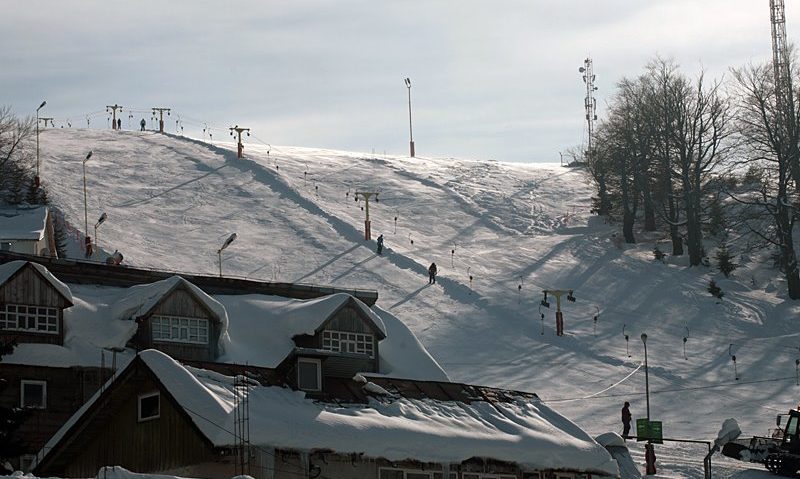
[[158, 416]]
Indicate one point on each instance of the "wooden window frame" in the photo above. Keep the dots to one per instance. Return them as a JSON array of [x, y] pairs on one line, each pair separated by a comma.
[[43, 321], [157, 319], [361, 340], [25, 382], [139, 399], [318, 364]]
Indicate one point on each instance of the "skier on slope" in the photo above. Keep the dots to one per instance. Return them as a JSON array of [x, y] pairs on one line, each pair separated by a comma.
[[380, 244], [432, 270]]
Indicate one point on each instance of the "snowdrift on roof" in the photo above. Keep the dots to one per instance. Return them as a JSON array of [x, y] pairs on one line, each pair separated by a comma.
[[140, 299], [264, 326], [523, 431], [23, 223]]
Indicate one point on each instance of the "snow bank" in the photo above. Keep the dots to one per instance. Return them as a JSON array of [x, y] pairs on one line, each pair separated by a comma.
[[730, 430]]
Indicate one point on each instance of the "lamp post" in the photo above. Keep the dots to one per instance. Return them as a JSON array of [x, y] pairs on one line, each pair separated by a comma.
[[410, 130], [85, 208], [649, 454], [36, 180], [100, 221], [227, 243]]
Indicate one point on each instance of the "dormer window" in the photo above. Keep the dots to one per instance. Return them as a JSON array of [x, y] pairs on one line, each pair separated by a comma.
[[178, 329], [344, 342], [34, 319]]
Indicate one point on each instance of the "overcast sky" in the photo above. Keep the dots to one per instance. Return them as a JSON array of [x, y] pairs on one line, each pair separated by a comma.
[[490, 79]]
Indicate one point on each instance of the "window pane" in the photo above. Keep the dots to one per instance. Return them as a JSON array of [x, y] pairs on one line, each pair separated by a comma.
[[33, 395], [307, 375], [149, 407], [418, 475]]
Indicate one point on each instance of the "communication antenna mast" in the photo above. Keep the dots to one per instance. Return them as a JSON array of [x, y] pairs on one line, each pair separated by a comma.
[[780, 54], [590, 103]]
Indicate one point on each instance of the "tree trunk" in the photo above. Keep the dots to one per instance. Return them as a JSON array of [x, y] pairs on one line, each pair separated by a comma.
[[649, 209]]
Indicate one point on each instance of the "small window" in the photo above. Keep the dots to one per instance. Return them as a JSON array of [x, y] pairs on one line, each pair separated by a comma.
[[531, 475], [309, 374], [33, 394], [440, 475], [149, 406], [561, 475]]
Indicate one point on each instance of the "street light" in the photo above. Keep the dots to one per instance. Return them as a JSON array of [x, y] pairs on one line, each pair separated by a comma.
[[100, 221], [85, 208], [649, 454], [410, 130], [227, 243], [36, 180]]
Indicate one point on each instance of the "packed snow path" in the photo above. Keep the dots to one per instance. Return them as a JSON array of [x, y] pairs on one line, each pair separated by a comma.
[[172, 201]]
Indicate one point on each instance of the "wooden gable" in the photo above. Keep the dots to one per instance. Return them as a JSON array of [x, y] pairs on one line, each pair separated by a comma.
[[351, 318], [109, 432], [180, 301], [28, 286]]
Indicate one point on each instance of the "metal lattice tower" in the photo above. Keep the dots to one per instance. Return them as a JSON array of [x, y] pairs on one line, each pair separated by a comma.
[[780, 58], [241, 393], [590, 103]]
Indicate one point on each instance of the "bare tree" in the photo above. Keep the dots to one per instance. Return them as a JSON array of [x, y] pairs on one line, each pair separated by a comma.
[[770, 137]]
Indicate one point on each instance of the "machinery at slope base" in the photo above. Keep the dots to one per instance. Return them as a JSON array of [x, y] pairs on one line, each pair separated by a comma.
[[780, 453]]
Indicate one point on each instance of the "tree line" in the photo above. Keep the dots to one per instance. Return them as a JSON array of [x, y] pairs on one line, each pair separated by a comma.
[[18, 168], [702, 159]]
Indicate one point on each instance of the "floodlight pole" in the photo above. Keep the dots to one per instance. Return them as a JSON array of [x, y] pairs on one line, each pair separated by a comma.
[[650, 456], [239, 145], [410, 130], [366, 195], [85, 201], [113, 108], [36, 180], [227, 243], [161, 111], [100, 221]]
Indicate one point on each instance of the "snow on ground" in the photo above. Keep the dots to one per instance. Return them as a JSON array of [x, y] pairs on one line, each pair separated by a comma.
[[172, 201]]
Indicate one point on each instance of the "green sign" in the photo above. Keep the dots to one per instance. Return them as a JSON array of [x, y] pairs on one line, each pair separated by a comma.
[[649, 431]]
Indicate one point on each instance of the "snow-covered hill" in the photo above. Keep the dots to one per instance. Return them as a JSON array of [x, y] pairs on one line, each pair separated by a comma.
[[499, 233]]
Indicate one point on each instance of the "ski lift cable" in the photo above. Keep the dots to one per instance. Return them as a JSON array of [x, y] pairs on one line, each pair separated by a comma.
[[590, 396], [679, 389]]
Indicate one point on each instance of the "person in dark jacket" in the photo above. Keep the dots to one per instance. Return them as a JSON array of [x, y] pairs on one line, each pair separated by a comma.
[[119, 123], [432, 273], [142, 124], [626, 419], [380, 244]]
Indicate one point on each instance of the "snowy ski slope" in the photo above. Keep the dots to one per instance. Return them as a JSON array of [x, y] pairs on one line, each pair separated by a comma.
[[172, 201]]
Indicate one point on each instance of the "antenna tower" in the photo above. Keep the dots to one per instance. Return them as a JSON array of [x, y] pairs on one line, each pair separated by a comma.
[[241, 392], [590, 103], [780, 58]]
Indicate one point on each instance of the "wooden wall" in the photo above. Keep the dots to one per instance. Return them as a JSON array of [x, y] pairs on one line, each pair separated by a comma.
[[67, 390], [116, 437], [28, 287]]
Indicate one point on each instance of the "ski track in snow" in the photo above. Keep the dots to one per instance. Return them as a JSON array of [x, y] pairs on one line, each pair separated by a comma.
[[171, 201]]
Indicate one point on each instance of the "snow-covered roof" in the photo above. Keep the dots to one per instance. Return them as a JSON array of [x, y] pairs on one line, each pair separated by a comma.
[[23, 223], [522, 430], [7, 270], [259, 332]]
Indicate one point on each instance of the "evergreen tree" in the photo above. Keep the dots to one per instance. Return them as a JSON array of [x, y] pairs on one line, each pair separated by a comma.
[[60, 234], [715, 290], [725, 262]]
